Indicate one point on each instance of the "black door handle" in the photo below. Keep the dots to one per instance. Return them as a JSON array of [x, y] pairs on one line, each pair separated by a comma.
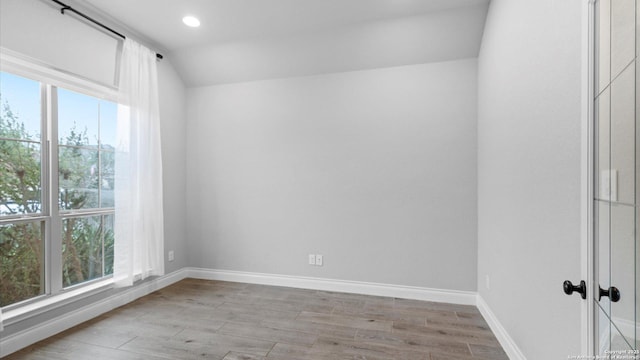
[[613, 293], [569, 288]]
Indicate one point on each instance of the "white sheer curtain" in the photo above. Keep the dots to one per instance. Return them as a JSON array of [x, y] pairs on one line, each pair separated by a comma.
[[1, 327], [139, 234]]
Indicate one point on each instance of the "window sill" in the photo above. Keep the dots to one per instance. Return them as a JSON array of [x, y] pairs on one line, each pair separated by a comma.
[[49, 303]]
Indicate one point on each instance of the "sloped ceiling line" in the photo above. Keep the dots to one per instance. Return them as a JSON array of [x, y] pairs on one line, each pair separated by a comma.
[[247, 40]]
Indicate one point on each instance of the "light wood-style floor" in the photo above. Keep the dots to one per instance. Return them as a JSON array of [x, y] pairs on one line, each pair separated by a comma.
[[199, 319]]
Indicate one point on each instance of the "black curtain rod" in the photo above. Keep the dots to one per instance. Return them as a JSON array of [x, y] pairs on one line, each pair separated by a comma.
[[66, 7]]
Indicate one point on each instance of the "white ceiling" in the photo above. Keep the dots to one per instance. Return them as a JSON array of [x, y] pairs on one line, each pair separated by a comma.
[[242, 40]]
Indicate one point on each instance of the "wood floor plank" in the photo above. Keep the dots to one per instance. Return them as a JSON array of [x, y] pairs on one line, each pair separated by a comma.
[[405, 341], [109, 322], [269, 332], [380, 313], [174, 349], [239, 356], [346, 348], [181, 320], [457, 324], [226, 342], [248, 313], [348, 332], [488, 352], [466, 336], [419, 306], [204, 319], [286, 351], [105, 337], [340, 320], [61, 349]]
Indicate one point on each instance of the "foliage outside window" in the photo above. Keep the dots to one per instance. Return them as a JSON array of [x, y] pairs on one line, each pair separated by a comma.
[[71, 213]]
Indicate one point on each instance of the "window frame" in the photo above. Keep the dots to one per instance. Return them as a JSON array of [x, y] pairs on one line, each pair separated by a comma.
[[54, 294]]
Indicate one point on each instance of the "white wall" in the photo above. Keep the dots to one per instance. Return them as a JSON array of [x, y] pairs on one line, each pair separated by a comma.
[[529, 126], [374, 169], [173, 122]]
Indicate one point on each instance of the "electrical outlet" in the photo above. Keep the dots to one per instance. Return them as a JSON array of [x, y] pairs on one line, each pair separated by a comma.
[[171, 255], [312, 259], [487, 282], [319, 260]]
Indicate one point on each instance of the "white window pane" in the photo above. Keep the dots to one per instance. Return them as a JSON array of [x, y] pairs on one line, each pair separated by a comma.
[[78, 177], [20, 188], [21, 262], [19, 107], [86, 129], [87, 248], [78, 116]]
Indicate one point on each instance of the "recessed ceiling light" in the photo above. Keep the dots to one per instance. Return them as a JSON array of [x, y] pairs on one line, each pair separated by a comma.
[[191, 21]]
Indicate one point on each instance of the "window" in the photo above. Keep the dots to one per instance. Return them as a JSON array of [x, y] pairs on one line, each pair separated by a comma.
[[56, 231]]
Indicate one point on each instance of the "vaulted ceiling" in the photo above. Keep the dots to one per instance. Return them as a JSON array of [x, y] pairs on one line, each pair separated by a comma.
[[245, 40]]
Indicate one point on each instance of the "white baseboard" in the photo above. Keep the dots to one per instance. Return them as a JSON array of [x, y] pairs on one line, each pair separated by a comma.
[[509, 346], [22, 339], [356, 287]]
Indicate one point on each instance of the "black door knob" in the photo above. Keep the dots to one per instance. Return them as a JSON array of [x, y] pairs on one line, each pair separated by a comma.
[[612, 293], [581, 289]]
